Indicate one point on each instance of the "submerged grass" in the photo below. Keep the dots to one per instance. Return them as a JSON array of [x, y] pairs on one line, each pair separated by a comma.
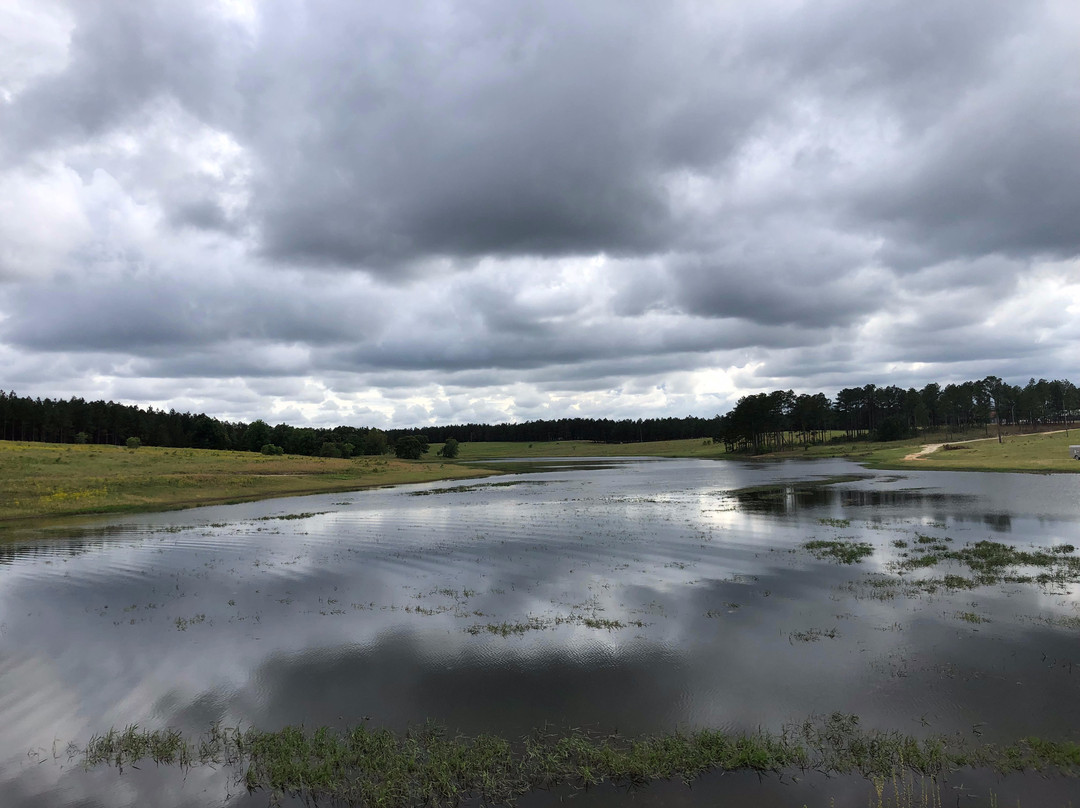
[[428, 766], [986, 563], [463, 489], [534, 623], [813, 635], [770, 492], [843, 552], [992, 562]]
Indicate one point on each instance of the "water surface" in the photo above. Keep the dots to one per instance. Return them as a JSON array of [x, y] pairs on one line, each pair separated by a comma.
[[640, 596]]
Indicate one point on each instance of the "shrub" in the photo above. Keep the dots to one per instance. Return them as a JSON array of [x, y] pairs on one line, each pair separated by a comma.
[[271, 449], [408, 448]]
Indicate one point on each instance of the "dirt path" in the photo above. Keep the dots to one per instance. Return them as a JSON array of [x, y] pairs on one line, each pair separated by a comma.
[[930, 448]]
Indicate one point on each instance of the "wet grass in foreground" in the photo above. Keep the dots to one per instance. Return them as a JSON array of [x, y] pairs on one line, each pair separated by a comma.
[[428, 766]]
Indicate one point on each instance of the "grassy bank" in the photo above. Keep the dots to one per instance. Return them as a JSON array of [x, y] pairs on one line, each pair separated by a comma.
[[429, 767], [1048, 452], [968, 451], [971, 451], [502, 450], [46, 481]]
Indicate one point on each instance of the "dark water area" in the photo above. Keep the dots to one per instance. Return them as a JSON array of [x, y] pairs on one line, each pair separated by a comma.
[[638, 596]]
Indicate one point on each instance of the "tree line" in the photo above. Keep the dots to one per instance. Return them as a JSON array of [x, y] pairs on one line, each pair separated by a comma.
[[779, 419], [757, 423], [596, 430], [107, 422]]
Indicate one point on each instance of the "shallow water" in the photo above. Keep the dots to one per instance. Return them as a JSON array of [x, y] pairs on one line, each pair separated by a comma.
[[381, 605]]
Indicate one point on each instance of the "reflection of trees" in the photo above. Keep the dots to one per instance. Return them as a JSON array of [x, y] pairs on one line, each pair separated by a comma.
[[1000, 522], [786, 499], [790, 498], [84, 541]]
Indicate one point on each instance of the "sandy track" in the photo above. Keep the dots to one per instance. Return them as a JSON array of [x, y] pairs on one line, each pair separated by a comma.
[[930, 448]]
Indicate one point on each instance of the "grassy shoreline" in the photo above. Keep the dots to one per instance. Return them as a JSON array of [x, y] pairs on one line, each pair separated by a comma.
[[1039, 452], [41, 481]]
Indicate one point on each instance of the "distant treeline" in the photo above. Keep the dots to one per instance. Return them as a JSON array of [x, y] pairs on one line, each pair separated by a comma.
[[79, 421], [757, 423], [774, 420], [597, 430]]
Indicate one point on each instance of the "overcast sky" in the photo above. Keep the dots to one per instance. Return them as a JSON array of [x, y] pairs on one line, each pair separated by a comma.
[[410, 212]]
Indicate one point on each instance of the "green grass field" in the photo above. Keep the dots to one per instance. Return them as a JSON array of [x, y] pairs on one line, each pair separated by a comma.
[[42, 480], [495, 450], [1048, 452]]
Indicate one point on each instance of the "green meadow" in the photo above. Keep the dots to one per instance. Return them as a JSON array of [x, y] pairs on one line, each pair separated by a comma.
[[1040, 452], [502, 450], [46, 481]]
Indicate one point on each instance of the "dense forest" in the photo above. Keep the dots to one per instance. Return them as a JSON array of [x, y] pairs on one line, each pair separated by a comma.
[[757, 423]]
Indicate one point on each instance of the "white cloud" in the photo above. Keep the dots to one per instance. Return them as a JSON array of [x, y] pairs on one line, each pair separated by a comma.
[[34, 37]]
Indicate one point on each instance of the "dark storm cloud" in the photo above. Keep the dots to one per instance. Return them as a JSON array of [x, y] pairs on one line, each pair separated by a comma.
[[155, 316], [779, 288], [492, 129], [566, 346], [123, 55], [1003, 181], [204, 214], [919, 57], [983, 97], [233, 326]]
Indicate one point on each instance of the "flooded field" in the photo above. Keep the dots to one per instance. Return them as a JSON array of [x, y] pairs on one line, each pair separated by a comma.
[[638, 597]]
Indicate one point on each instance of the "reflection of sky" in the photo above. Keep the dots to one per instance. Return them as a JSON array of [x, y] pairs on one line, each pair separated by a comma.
[[362, 611]]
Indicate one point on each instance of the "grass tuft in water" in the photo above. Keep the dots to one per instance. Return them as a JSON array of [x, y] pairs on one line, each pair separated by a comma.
[[813, 635], [993, 562], [290, 516], [987, 563], [843, 552], [166, 747]]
